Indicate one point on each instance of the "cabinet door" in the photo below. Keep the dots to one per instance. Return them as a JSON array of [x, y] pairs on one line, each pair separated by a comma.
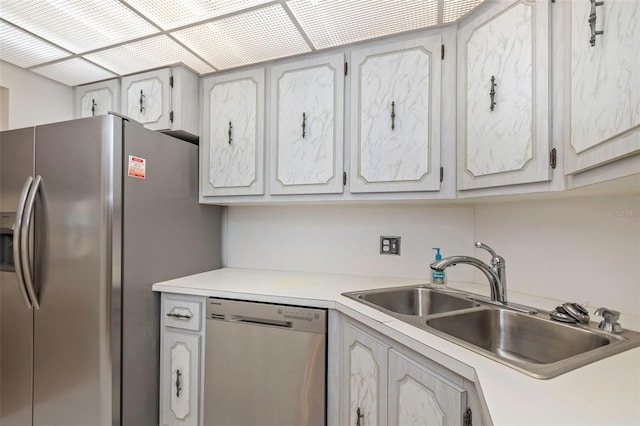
[[307, 126], [419, 397], [97, 99], [503, 96], [605, 90], [395, 113], [146, 98], [233, 138], [179, 379], [365, 361]]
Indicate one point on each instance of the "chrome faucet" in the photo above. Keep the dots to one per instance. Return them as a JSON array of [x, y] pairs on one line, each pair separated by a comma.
[[496, 273]]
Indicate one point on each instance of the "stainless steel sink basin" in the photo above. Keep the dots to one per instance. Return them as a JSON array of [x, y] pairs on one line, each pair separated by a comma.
[[415, 301], [530, 343]]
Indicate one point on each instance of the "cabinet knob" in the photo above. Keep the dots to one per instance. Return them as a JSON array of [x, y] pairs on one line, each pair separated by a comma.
[[492, 93], [359, 416], [230, 127], [393, 115], [593, 17], [304, 124], [141, 101], [178, 384]]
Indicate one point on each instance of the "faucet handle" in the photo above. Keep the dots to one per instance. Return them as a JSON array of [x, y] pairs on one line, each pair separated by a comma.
[[609, 320], [480, 245]]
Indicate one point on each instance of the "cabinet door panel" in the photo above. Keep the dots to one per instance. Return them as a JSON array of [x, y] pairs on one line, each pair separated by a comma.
[[503, 96], [146, 98], [365, 360], [395, 110], [307, 117], [181, 368], [605, 94], [419, 397], [234, 133], [97, 99]]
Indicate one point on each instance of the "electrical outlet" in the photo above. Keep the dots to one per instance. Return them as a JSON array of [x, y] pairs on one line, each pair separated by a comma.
[[390, 245]]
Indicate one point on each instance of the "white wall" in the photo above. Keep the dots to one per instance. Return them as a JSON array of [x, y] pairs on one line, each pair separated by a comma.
[[345, 239], [34, 99], [582, 249]]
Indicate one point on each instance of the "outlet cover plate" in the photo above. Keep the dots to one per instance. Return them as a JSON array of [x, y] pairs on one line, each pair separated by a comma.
[[390, 245]]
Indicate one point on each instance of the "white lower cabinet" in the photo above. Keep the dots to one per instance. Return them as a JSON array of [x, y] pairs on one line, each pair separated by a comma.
[[384, 383], [181, 358], [419, 397]]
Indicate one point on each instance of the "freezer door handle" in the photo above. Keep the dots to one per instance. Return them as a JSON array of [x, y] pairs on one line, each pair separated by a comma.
[[24, 242], [17, 231]]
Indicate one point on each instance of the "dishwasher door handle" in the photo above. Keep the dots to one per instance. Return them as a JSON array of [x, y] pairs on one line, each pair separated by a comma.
[[261, 321]]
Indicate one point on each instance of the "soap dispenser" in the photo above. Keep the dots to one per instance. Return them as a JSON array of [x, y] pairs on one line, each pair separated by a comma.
[[438, 277]]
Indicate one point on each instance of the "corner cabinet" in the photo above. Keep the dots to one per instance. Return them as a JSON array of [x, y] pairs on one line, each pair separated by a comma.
[[503, 95], [97, 98], [604, 90], [164, 99], [395, 117], [383, 383], [181, 358], [232, 139], [307, 99]]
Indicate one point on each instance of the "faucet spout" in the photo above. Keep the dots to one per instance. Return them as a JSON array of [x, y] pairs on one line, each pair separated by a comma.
[[493, 274]]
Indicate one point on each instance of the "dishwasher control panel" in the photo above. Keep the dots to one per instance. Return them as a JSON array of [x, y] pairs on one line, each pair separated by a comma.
[[313, 320]]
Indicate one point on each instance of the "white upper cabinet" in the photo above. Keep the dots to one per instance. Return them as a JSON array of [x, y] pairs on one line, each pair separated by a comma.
[[306, 121], [164, 99], [395, 116], [503, 95], [604, 76], [97, 98], [232, 139]]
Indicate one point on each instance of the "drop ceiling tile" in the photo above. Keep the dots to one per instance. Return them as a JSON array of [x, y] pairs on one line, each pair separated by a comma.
[[146, 54], [455, 9], [330, 23], [73, 72], [77, 25], [24, 50], [177, 13], [256, 36]]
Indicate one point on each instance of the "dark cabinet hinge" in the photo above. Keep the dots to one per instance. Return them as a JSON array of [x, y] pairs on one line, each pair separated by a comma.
[[344, 178], [346, 68], [553, 158], [442, 51], [441, 174], [468, 418], [171, 81], [171, 116]]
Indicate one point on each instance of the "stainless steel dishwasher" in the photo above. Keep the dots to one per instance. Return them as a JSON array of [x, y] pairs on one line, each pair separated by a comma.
[[265, 364]]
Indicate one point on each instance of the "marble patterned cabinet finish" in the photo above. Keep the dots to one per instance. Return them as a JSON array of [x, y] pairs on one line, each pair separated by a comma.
[[503, 96], [395, 117], [232, 143], [164, 99], [419, 397], [604, 84], [181, 353], [307, 126], [97, 98], [365, 361]]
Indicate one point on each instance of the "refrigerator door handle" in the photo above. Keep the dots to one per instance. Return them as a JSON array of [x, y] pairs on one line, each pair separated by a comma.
[[17, 231], [24, 242]]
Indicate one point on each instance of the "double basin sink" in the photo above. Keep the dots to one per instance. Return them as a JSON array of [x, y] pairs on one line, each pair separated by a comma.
[[530, 343]]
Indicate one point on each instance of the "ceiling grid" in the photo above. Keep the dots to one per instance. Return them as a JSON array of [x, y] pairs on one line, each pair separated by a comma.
[[82, 41]]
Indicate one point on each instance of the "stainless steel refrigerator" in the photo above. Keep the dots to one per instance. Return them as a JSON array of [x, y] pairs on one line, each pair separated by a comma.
[[93, 212]]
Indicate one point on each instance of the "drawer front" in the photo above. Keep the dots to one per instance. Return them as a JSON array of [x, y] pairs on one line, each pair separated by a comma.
[[184, 314]]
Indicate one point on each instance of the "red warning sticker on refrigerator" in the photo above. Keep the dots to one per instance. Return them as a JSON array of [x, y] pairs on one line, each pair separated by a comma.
[[137, 167]]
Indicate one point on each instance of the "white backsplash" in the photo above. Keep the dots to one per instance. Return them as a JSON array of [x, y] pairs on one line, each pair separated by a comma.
[[582, 249]]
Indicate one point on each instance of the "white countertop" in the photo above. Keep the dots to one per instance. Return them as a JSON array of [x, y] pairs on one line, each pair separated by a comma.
[[606, 392]]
